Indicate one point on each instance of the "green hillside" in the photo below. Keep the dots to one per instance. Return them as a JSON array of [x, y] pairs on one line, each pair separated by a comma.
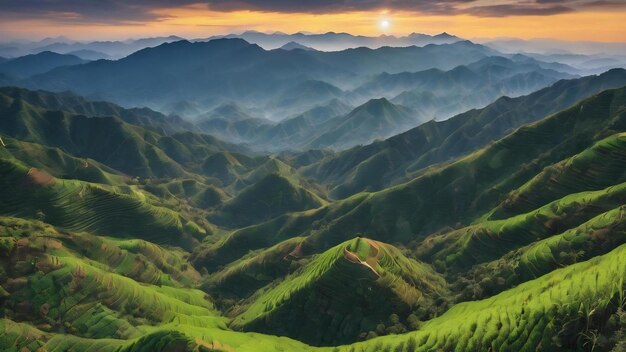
[[403, 157], [344, 292], [80, 206], [376, 119], [271, 196], [504, 231], [451, 194], [77, 105], [563, 310], [135, 152]]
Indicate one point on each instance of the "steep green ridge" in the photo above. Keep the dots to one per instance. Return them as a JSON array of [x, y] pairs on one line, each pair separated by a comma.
[[595, 237], [516, 246], [77, 299], [135, 152], [75, 104], [595, 168], [78, 206], [88, 296], [449, 194], [271, 196], [488, 240], [59, 163], [491, 239], [402, 157], [345, 291], [558, 311], [144, 146]]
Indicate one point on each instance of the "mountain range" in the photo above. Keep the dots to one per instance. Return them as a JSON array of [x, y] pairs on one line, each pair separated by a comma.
[[421, 198], [332, 41], [425, 83]]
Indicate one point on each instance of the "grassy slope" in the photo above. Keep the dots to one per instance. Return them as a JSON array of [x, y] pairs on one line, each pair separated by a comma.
[[143, 150], [89, 293], [579, 180], [76, 205], [271, 196], [595, 168], [69, 102], [381, 164], [57, 162], [343, 292], [575, 299], [75, 294], [135, 153], [519, 319], [449, 194], [597, 236]]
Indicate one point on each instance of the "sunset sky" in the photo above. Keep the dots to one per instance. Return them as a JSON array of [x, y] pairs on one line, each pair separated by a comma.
[[593, 20]]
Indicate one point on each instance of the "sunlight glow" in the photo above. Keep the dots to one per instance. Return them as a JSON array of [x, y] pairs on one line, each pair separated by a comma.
[[384, 24]]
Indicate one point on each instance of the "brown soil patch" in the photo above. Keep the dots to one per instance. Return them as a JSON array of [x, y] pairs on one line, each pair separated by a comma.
[[214, 345], [55, 244], [36, 177], [23, 242], [296, 252]]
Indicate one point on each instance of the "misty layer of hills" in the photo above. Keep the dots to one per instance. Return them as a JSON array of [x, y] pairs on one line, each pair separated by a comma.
[[294, 97], [222, 195]]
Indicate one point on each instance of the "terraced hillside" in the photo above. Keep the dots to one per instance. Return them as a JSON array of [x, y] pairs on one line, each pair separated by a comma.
[[564, 310], [519, 245], [344, 292], [448, 195], [81, 206], [405, 156], [87, 293]]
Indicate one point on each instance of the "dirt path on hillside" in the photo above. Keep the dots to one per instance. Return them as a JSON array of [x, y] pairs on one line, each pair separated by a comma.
[[370, 261]]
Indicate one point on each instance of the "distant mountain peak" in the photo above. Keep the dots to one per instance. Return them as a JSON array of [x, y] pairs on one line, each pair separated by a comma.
[[445, 35], [376, 106], [292, 45], [378, 101]]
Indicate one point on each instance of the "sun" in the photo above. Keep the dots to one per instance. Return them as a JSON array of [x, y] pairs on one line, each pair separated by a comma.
[[384, 24]]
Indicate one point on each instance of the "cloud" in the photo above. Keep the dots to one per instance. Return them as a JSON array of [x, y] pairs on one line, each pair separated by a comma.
[[553, 1], [325, 6], [117, 11], [518, 10], [605, 4]]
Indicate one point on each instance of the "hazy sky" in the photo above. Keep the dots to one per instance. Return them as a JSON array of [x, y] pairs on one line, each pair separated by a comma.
[[597, 20]]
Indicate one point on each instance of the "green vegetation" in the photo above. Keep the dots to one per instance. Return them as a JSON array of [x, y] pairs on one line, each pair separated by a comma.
[[563, 310], [452, 194], [271, 196], [81, 206], [403, 157], [489, 240], [342, 294], [120, 232]]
